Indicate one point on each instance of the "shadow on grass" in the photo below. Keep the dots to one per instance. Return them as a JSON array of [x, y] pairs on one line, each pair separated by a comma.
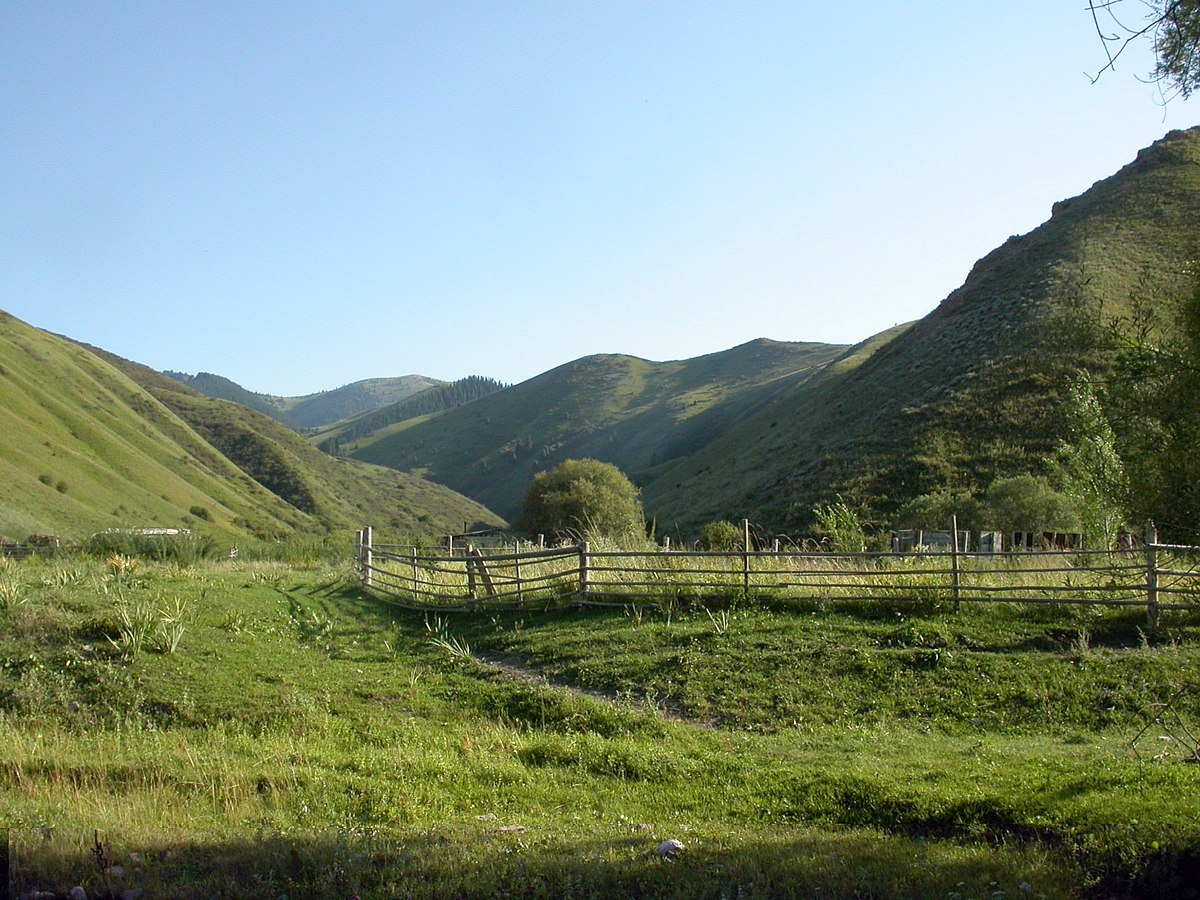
[[487, 861]]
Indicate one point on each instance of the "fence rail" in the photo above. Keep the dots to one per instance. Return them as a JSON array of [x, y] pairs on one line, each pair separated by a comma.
[[1159, 577]]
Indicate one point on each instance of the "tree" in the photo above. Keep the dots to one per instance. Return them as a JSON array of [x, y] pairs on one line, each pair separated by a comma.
[[1028, 503], [580, 498], [1089, 467], [1172, 27]]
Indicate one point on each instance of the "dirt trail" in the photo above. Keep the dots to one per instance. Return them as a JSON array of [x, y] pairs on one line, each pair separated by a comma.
[[520, 670]]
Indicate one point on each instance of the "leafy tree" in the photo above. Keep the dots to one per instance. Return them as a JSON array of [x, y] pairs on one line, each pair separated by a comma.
[[582, 497], [1172, 27], [1028, 503], [1089, 467]]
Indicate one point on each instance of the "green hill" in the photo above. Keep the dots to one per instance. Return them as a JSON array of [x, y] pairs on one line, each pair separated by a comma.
[[337, 493], [628, 411], [972, 391], [91, 441], [311, 410]]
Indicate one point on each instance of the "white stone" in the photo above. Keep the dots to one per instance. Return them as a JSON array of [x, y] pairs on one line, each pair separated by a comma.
[[669, 848]]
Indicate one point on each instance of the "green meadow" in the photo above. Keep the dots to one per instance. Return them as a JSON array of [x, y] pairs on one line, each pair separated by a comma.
[[263, 728]]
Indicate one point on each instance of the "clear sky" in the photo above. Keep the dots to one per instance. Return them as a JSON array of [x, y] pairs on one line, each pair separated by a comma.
[[297, 195]]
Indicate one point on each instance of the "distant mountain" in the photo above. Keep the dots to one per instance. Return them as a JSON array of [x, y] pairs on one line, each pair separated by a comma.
[[311, 410], [432, 400], [632, 412], [90, 441]]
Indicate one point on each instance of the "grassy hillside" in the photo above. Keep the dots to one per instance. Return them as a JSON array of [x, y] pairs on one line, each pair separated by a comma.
[[631, 412], [335, 493], [84, 448], [311, 410], [973, 390], [301, 738]]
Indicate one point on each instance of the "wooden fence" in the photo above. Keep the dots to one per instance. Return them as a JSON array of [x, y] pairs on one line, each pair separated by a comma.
[[1157, 577]]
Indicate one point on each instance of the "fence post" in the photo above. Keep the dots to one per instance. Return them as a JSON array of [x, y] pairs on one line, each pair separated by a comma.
[[1151, 575], [746, 559], [584, 577], [368, 561], [414, 568], [517, 568], [954, 577], [470, 563]]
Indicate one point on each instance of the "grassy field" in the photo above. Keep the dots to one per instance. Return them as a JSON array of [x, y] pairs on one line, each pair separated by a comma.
[[259, 729]]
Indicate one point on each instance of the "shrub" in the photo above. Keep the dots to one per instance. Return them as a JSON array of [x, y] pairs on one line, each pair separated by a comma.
[[721, 536], [842, 527], [201, 512]]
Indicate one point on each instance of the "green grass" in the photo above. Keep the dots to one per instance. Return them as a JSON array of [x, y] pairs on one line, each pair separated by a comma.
[[304, 739]]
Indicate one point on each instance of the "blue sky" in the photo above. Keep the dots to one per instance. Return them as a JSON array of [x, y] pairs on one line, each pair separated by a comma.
[[299, 195]]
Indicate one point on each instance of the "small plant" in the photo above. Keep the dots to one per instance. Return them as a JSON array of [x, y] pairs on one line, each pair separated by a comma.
[[720, 621], [169, 628], [136, 624], [1081, 646], [121, 567], [236, 623], [442, 639], [201, 512], [12, 594], [65, 576]]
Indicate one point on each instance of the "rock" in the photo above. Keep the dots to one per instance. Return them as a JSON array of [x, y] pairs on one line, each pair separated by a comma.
[[117, 871], [78, 893], [668, 849], [511, 829], [132, 894]]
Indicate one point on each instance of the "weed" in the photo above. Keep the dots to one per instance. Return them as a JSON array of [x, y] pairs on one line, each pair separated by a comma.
[[137, 621], [12, 594], [441, 638], [65, 577], [169, 625], [720, 621], [121, 567]]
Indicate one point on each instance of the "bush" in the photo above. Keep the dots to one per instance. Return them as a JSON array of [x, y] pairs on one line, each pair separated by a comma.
[[582, 497], [1028, 503], [721, 536], [841, 527]]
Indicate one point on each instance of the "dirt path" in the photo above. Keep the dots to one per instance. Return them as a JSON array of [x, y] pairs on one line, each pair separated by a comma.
[[517, 668]]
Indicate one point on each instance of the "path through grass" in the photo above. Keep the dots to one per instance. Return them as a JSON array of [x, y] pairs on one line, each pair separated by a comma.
[[304, 739]]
